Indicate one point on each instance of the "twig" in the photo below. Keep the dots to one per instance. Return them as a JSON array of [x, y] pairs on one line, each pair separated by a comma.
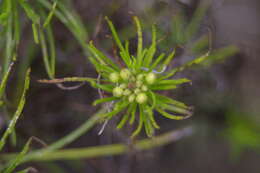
[[108, 150], [59, 82]]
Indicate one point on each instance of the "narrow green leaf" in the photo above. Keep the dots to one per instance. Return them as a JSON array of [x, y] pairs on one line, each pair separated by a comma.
[[201, 44], [170, 101], [4, 81], [123, 120], [186, 65], [170, 116], [153, 100], [147, 124], [57, 12], [18, 159], [101, 57], [52, 49], [140, 41], [139, 127], [105, 87], [163, 87], [127, 60], [101, 67], [103, 100], [133, 113], [173, 81], [10, 43], [151, 117], [151, 51], [176, 109], [50, 15], [16, 22], [168, 59], [71, 20], [157, 61], [35, 33], [167, 104], [205, 59], [75, 24], [193, 26], [130, 111], [30, 11], [118, 42], [220, 55], [178, 29], [45, 55], [114, 33], [127, 51], [119, 106], [17, 113]]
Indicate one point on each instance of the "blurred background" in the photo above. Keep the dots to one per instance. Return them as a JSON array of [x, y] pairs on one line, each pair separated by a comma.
[[226, 95]]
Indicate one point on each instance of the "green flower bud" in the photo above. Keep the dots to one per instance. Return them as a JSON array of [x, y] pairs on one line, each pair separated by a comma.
[[140, 76], [139, 83], [127, 92], [136, 91], [150, 78], [114, 77], [131, 98], [141, 98], [144, 88], [123, 86], [125, 74], [132, 78], [118, 92]]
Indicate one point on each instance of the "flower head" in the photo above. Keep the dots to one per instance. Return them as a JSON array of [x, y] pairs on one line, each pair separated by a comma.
[[134, 87]]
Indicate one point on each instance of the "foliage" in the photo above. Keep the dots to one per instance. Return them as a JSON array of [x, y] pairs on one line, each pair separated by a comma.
[[243, 132], [134, 85], [131, 84], [16, 161]]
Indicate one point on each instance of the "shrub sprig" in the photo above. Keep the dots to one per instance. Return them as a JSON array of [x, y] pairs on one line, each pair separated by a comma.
[[134, 87]]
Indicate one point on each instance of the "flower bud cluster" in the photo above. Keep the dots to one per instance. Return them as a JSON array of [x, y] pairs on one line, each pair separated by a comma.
[[132, 86]]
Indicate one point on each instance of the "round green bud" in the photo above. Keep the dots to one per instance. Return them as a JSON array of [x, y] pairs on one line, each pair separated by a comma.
[[125, 74], [123, 85], [118, 92], [137, 90], [127, 92], [140, 76], [141, 98], [131, 98], [114, 77], [132, 78], [144, 88], [150, 78], [139, 83]]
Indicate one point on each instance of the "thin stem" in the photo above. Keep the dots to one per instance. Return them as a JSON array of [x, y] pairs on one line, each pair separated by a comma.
[[108, 150], [69, 138]]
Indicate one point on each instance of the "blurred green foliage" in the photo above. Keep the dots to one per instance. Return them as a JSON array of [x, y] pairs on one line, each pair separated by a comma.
[[243, 132]]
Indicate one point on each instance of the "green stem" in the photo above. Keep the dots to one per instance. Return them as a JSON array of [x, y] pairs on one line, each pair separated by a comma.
[[108, 150], [76, 133], [69, 138]]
